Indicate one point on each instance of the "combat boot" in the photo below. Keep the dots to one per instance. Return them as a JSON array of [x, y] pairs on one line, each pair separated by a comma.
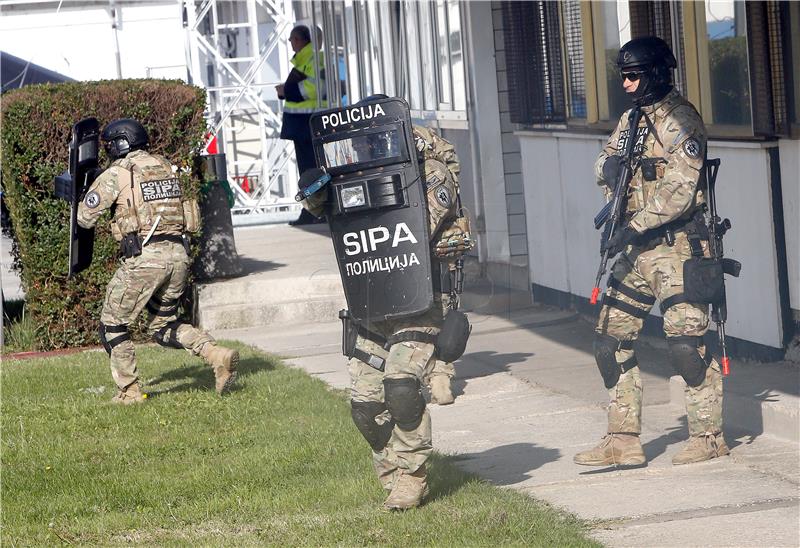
[[129, 395], [408, 490], [440, 390], [224, 361], [700, 448], [613, 449]]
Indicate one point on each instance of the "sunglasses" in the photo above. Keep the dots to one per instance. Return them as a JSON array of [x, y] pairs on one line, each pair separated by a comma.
[[631, 76]]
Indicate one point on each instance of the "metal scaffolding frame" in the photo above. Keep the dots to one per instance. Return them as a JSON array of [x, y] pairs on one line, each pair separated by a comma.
[[225, 54]]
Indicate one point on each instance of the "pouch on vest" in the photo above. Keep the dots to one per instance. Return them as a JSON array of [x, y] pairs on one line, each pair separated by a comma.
[[452, 339], [191, 216], [131, 245], [703, 281]]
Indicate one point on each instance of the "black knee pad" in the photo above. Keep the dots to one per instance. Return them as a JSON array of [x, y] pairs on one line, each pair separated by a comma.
[[112, 335], [364, 413], [686, 359], [168, 335], [605, 348], [404, 401]]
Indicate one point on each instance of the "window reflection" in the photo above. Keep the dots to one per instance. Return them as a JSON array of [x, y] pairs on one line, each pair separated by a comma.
[[727, 62], [617, 32]]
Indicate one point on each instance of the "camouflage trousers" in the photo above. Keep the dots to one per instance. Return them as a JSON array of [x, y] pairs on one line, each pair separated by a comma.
[[406, 450], [154, 279], [658, 272]]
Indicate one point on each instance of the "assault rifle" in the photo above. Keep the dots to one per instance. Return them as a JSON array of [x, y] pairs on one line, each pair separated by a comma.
[[716, 230], [72, 186], [612, 213]]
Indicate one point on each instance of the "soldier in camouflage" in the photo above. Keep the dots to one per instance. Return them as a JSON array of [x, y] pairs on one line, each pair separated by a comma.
[[150, 217], [663, 228], [400, 452]]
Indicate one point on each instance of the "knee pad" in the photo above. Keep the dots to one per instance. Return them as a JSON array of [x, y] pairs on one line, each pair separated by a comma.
[[363, 414], [168, 335], [404, 401], [113, 335], [686, 359], [605, 348]]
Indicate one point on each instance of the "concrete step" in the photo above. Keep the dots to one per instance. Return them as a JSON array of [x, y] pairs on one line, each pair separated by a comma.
[[255, 290], [775, 413], [270, 314]]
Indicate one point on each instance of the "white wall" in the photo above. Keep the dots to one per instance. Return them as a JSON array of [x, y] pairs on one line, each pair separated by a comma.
[[561, 199], [790, 182], [80, 43]]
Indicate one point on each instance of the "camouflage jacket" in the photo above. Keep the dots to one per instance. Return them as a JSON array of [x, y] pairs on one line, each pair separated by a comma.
[[142, 191], [668, 159]]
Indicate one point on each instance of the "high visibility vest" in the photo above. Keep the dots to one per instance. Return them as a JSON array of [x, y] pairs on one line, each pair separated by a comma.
[[303, 61]]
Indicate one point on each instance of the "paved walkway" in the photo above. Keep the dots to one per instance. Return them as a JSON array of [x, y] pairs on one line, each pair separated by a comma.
[[529, 397]]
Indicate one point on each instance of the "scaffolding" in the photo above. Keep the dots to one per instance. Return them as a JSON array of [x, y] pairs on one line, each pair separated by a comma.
[[237, 51]]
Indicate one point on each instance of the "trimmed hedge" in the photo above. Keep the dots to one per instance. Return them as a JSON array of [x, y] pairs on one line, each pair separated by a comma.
[[36, 125]]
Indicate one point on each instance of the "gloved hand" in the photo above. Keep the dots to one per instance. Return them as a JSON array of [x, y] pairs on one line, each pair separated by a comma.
[[611, 168], [454, 241], [619, 241]]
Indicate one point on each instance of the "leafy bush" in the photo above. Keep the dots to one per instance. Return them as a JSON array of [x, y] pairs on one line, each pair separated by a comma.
[[36, 125]]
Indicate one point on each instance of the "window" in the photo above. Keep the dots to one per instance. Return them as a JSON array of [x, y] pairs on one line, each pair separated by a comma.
[[532, 35], [726, 50], [410, 49], [573, 46], [615, 32]]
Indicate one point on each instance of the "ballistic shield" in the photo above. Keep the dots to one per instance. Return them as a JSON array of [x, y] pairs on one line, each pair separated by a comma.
[[72, 186], [377, 208]]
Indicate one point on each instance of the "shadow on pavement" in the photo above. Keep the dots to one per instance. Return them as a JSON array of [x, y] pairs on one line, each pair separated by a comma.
[[508, 464], [254, 266], [482, 364]]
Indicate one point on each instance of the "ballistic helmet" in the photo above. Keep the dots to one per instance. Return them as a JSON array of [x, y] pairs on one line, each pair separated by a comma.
[[653, 61], [123, 136]]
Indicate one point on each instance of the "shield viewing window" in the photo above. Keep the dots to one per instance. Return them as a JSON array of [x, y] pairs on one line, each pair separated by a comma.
[[365, 149]]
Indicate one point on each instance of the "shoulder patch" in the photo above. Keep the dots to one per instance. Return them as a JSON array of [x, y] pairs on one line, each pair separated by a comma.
[[443, 196], [691, 147], [92, 200]]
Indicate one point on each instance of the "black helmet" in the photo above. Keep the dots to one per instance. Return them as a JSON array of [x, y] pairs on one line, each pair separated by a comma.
[[374, 98], [123, 136], [652, 58]]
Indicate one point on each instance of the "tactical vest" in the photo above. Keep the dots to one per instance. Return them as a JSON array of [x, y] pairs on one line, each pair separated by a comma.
[[303, 61], [652, 165], [150, 193]]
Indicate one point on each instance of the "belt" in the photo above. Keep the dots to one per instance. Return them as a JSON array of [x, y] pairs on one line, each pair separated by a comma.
[[165, 238], [659, 235]]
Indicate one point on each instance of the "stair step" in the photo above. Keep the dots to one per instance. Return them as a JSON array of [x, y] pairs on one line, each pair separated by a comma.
[[268, 314]]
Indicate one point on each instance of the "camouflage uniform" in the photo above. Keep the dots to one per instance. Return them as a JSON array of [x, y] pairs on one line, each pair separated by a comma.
[[664, 189], [407, 450], [146, 198]]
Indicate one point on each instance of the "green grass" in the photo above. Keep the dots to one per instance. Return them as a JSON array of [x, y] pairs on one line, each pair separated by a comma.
[[278, 461], [19, 329]]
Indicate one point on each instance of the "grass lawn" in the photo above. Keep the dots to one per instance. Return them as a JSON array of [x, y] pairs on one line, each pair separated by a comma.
[[278, 461]]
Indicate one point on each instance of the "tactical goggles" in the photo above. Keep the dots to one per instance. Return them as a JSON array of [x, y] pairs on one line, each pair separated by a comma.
[[631, 76]]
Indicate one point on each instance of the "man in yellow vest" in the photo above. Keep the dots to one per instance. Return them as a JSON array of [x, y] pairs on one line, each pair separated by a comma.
[[300, 92]]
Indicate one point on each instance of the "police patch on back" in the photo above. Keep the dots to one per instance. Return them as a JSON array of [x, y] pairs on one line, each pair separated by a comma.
[[162, 189], [692, 148]]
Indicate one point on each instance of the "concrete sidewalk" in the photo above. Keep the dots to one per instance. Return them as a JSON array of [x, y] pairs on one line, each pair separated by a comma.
[[529, 397]]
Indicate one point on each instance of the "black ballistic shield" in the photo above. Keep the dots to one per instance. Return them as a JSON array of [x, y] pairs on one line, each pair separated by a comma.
[[377, 209], [72, 186]]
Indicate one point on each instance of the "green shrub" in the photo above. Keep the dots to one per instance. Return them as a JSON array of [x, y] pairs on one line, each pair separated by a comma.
[[36, 125]]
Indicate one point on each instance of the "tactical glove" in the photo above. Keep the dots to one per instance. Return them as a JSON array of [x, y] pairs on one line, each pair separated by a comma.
[[619, 241], [611, 168]]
